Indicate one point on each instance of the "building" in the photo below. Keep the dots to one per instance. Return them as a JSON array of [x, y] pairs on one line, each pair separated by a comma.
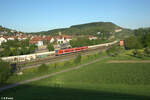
[[49, 39], [63, 39], [118, 30], [39, 43], [2, 39], [122, 43], [92, 37]]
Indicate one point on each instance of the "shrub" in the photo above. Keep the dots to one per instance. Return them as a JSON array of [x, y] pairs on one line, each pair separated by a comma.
[[114, 51], [137, 53], [147, 52], [43, 68]]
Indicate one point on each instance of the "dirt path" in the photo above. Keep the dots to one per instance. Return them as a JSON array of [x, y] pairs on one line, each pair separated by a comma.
[[49, 75], [128, 61]]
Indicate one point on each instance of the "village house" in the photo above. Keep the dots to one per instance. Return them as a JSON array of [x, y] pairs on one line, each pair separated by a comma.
[[2, 39], [20, 38], [92, 37], [49, 39], [37, 41], [10, 38], [63, 39], [118, 30]]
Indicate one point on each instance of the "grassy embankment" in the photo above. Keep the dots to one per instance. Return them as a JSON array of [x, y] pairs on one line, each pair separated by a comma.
[[53, 67], [101, 80]]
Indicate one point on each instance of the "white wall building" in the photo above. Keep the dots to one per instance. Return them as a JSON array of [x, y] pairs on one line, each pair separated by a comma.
[[2, 40], [92, 38], [10, 38], [60, 40], [52, 40], [39, 43]]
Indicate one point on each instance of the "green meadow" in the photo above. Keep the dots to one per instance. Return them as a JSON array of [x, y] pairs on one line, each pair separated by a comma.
[[97, 81]]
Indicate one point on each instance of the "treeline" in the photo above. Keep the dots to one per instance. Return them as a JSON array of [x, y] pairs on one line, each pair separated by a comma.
[[140, 42], [84, 29], [141, 39], [84, 41], [16, 47]]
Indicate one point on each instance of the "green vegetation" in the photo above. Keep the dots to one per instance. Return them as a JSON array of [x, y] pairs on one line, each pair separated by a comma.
[[147, 52], [133, 43], [7, 31], [84, 41], [141, 39], [50, 47], [16, 47], [84, 29], [100, 80], [125, 33], [139, 43], [4, 72], [43, 68], [114, 50], [77, 60]]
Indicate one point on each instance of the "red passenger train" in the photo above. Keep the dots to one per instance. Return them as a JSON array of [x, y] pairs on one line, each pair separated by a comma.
[[71, 50]]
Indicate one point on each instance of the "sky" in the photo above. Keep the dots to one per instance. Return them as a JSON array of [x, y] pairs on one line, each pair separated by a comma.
[[43, 15]]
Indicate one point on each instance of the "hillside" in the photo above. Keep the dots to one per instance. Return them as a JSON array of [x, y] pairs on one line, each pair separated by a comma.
[[7, 31], [85, 29]]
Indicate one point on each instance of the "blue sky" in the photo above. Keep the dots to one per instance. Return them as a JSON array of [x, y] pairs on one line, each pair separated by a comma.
[[42, 15]]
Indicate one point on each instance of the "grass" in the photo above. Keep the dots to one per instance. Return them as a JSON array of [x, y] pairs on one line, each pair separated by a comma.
[[98, 81], [54, 67], [106, 81]]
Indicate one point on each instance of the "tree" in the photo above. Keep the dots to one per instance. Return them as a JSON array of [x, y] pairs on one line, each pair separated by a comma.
[[147, 40], [4, 72], [24, 49], [32, 48], [133, 43], [50, 47]]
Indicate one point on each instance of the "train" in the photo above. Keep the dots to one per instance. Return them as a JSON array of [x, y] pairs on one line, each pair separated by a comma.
[[30, 57], [70, 50]]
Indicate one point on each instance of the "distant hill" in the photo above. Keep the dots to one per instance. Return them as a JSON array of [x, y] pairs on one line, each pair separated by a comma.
[[85, 29], [7, 31]]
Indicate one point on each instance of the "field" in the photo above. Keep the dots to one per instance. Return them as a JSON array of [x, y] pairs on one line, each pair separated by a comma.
[[98, 81]]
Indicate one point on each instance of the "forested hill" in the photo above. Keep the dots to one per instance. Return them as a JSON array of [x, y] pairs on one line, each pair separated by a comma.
[[83, 29]]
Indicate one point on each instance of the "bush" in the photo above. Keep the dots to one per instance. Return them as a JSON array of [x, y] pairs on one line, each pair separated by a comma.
[[43, 68], [137, 53], [114, 51], [50, 47], [4, 72], [147, 52]]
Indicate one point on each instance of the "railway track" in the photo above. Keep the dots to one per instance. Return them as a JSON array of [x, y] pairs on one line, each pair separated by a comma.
[[54, 59]]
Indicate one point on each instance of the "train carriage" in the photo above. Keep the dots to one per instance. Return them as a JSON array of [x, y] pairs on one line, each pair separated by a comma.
[[72, 50]]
